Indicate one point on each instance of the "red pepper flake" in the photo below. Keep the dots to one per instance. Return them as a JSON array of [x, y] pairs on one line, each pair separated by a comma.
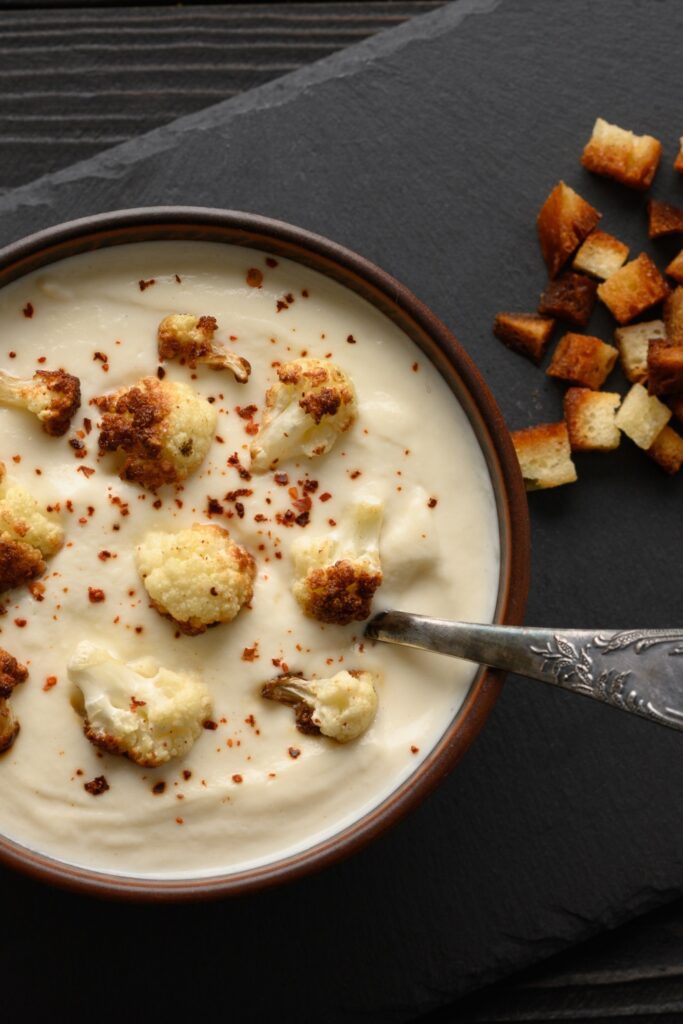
[[325, 496], [161, 372], [96, 786], [146, 284], [37, 590], [414, 750], [250, 720], [95, 596], [289, 298], [234, 460], [237, 779], [285, 518], [355, 474], [332, 522], [280, 305], [254, 277], [304, 292], [41, 359], [278, 554], [20, 623], [178, 279], [139, 629], [210, 724], [101, 357], [87, 471], [180, 821], [271, 261], [415, 367], [294, 752], [309, 486], [252, 429], [104, 555], [13, 355], [303, 519], [28, 310], [214, 508], [87, 423], [239, 509], [16, 458], [135, 703], [158, 788], [260, 518], [69, 505], [351, 340], [187, 774], [432, 503], [281, 479], [157, 504], [250, 653]]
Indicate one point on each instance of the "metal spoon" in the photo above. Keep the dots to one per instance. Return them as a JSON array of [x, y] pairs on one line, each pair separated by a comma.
[[634, 670]]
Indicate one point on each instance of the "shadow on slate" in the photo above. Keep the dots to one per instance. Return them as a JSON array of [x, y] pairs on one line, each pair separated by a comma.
[[429, 149]]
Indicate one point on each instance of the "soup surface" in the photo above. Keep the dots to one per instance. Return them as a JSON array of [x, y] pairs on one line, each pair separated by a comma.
[[254, 788]]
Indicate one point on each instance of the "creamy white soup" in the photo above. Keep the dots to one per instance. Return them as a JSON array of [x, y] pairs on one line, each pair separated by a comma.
[[253, 788]]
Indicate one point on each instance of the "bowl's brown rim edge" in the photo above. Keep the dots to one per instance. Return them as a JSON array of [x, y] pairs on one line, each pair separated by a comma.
[[45, 246]]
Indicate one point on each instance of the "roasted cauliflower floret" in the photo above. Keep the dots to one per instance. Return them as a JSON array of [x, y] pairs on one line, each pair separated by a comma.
[[337, 575], [54, 396], [342, 707], [27, 535], [304, 414], [137, 709], [163, 429], [196, 577], [11, 674], [189, 338]]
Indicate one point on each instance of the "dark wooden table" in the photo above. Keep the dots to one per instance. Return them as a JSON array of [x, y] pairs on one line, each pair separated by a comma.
[[76, 80]]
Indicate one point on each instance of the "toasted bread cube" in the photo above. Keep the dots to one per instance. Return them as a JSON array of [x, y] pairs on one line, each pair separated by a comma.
[[632, 343], [526, 333], [675, 268], [642, 417], [633, 289], [601, 255], [590, 417], [570, 297], [582, 359], [544, 456], [664, 368], [678, 162], [563, 222], [676, 406], [619, 154], [673, 316], [667, 450], [663, 219]]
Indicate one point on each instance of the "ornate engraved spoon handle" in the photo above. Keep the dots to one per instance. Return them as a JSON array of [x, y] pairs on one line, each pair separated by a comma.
[[636, 670]]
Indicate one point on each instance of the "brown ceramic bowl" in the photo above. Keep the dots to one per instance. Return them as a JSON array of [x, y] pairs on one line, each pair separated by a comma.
[[439, 345]]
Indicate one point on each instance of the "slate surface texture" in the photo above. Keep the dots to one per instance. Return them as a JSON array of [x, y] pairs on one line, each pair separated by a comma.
[[429, 150]]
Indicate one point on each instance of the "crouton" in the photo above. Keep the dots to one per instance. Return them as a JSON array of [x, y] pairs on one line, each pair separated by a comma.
[[678, 162], [673, 317], [632, 343], [663, 219], [590, 416], [667, 450], [675, 268], [601, 255], [570, 297], [619, 154], [544, 455], [582, 359], [633, 289], [563, 222], [642, 417], [665, 368], [525, 333]]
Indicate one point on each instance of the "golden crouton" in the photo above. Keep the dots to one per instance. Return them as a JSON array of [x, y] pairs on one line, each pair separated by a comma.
[[601, 255], [667, 450], [619, 154], [544, 455], [675, 268], [678, 162], [673, 316], [663, 219], [590, 416], [526, 333], [563, 222], [582, 359], [664, 368], [632, 343], [642, 417], [633, 289], [570, 297]]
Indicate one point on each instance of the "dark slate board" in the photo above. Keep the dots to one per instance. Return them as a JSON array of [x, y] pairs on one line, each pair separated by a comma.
[[429, 150]]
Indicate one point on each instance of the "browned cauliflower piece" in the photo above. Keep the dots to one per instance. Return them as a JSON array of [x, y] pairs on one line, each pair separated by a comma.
[[54, 396], [197, 577], [164, 430], [11, 674], [338, 574], [189, 338], [304, 414], [27, 535], [342, 707]]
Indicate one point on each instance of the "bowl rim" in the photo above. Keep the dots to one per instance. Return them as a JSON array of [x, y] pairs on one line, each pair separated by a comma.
[[452, 361]]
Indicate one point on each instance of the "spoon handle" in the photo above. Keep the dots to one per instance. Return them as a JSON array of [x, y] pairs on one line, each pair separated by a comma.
[[636, 670]]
